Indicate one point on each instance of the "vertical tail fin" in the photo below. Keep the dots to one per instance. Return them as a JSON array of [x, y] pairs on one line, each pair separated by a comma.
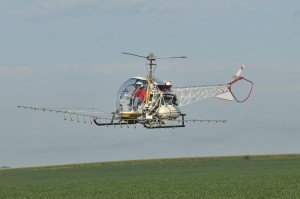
[[228, 95]]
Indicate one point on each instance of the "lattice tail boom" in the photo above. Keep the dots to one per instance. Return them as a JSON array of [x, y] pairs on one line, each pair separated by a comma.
[[188, 95]]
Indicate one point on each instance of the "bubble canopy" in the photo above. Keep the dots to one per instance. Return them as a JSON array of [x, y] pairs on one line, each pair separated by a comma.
[[124, 103]]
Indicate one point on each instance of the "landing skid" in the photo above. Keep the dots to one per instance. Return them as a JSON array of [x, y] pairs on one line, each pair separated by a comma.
[[149, 124], [161, 125], [118, 123]]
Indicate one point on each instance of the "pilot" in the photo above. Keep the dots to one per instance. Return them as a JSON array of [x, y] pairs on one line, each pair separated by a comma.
[[138, 95], [167, 89], [167, 86]]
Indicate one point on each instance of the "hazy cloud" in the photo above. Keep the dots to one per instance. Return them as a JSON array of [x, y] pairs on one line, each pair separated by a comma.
[[111, 68], [296, 14], [15, 70], [263, 68], [148, 9], [65, 68], [296, 21]]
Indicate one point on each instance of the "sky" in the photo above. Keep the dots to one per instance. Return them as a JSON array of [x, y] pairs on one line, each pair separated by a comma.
[[67, 53]]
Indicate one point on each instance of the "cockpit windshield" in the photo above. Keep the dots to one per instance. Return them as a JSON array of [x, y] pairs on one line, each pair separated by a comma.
[[124, 103]]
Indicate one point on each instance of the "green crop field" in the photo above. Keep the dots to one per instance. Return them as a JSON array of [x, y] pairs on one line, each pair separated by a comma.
[[267, 176]]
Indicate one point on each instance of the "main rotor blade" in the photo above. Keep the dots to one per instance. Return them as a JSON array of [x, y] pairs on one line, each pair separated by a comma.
[[171, 57], [134, 55]]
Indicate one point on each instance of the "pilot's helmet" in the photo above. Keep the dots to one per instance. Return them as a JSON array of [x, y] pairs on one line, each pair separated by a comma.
[[139, 84], [168, 85]]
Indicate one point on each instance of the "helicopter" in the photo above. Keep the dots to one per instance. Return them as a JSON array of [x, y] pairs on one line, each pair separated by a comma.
[[150, 102]]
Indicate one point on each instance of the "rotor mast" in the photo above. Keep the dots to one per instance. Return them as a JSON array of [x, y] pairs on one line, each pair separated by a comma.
[[151, 57]]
